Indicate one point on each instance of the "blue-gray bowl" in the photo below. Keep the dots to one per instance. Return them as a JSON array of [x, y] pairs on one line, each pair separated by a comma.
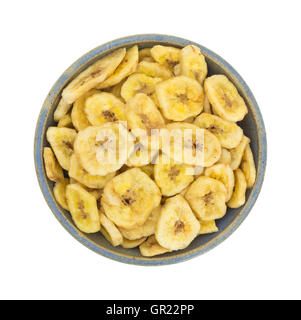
[[252, 125]]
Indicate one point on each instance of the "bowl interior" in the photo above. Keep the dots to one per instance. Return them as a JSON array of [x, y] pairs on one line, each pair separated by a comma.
[[96, 241]]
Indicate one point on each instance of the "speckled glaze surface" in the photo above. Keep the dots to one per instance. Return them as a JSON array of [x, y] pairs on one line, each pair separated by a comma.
[[252, 125]]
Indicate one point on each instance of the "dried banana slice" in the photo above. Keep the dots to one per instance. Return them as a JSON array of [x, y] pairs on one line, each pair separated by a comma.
[[146, 229], [126, 67], [129, 198], [104, 149], [177, 225], [238, 152], [59, 192], [180, 98], [138, 83], [200, 146], [142, 113], [83, 208], [65, 122], [208, 227], [228, 133], [239, 194], [78, 173], [168, 56], [154, 69], [112, 234], [144, 53], [177, 70], [78, 114], [225, 157], [171, 177], [61, 141], [207, 198], [207, 107], [62, 109], [151, 248], [224, 174], [53, 170], [93, 76], [104, 107], [248, 167], [224, 98], [129, 244], [193, 63]]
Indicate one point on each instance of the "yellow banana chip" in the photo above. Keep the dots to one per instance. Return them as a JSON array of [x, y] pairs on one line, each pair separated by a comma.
[[224, 98], [53, 170], [180, 98], [239, 194], [93, 76]]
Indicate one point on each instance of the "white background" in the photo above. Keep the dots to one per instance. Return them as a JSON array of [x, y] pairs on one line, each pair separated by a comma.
[[40, 39]]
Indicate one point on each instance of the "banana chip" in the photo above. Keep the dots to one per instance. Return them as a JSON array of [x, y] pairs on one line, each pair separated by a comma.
[[53, 170], [112, 234], [65, 122], [177, 225], [151, 248], [97, 148], [168, 56], [129, 244], [228, 133], [224, 98], [239, 194], [180, 98], [238, 152], [208, 227], [193, 63], [83, 208], [78, 114], [129, 198], [59, 191], [138, 83], [172, 177], [93, 76], [248, 166], [104, 107], [62, 109], [78, 173], [207, 197], [154, 69], [61, 141], [144, 53], [223, 173], [199, 146], [126, 67], [142, 113], [146, 229]]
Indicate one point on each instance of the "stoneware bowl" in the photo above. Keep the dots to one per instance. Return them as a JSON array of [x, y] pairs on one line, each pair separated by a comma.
[[252, 125]]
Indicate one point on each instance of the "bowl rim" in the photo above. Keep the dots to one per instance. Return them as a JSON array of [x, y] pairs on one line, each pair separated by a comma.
[[53, 96]]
